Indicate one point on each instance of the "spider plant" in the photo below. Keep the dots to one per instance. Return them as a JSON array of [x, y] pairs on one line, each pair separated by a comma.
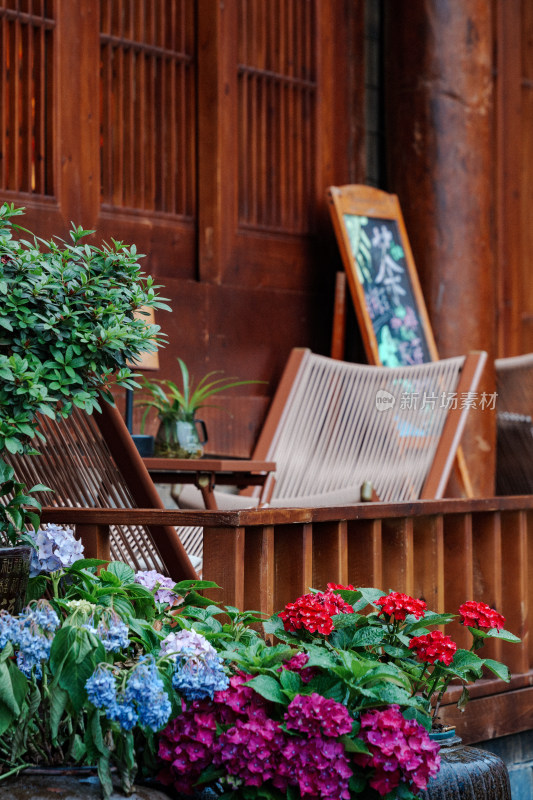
[[172, 402]]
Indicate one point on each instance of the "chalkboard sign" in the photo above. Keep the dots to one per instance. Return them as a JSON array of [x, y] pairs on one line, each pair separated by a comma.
[[381, 275]]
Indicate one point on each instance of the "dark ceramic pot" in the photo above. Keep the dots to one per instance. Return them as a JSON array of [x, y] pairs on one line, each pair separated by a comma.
[[467, 773], [14, 574]]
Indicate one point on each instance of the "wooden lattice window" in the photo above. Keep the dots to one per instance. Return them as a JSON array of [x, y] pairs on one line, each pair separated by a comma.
[[277, 97], [148, 105], [26, 52]]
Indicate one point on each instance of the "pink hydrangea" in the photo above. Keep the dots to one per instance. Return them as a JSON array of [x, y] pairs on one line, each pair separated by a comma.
[[318, 766], [400, 751], [315, 715], [297, 664], [186, 746], [251, 752]]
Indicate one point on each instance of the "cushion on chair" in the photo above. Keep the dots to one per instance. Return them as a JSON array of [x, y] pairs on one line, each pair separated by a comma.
[[191, 498]]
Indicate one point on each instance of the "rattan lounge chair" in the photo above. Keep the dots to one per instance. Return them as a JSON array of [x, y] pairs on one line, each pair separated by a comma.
[[335, 426], [90, 461]]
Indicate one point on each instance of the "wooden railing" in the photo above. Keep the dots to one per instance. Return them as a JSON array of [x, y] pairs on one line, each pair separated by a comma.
[[445, 552]]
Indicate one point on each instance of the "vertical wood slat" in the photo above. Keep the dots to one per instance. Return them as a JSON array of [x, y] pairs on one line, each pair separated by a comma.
[[95, 540], [428, 540], [223, 562], [398, 555], [259, 569], [515, 579], [458, 570], [487, 560], [365, 553], [330, 554], [293, 555]]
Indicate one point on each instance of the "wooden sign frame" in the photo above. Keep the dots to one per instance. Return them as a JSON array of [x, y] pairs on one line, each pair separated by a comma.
[[381, 276]]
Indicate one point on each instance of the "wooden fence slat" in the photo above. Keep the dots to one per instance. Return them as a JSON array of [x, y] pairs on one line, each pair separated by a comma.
[[487, 565], [515, 581], [458, 570], [293, 563], [398, 554], [330, 554], [95, 539], [259, 569], [428, 542], [224, 564], [365, 557]]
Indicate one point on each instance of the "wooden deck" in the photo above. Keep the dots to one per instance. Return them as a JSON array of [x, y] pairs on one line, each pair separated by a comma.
[[444, 551]]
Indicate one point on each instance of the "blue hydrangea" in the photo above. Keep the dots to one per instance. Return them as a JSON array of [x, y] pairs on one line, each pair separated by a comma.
[[145, 687], [197, 678], [155, 714], [123, 712], [30, 633], [112, 632], [143, 700], [55, 548], [6, 627], [101, 688]]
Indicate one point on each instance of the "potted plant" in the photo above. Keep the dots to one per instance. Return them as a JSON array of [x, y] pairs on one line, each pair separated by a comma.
[[67, 334], [180, 433]]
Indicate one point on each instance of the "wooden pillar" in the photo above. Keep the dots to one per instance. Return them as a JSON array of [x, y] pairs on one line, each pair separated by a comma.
[[438, 120]]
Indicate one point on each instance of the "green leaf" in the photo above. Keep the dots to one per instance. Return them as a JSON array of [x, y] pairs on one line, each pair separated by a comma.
[[7, 692], [268, 688], [58, 704], [507, 636], [290, 682], [368, 636], [500, 670], [352, 745], [122, 571]]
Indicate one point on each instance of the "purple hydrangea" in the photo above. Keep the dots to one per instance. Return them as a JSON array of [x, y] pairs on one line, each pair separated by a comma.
[[187, 643], [55, 548], [151, 579], [315, 715]]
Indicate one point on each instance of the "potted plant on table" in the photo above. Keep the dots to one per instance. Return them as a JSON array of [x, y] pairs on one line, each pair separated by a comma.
[[180, 433], [67, 334]]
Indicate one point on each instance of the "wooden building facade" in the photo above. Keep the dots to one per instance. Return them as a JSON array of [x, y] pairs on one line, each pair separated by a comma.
[[206, 133]]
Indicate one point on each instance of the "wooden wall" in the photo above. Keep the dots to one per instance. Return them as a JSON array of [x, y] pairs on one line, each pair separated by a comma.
[[205, 133]]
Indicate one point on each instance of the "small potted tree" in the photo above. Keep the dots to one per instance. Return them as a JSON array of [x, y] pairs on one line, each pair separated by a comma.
[[68, 331]]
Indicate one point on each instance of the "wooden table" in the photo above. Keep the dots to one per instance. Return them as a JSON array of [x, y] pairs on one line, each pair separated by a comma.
[[205, 473]]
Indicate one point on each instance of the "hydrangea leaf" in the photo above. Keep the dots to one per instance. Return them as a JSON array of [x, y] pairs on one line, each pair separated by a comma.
[[268, 688]]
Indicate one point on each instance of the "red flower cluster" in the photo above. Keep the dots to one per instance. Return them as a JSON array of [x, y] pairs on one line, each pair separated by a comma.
[[434, 646], [480, 615], [398, 605], [314, 612], [333, 587]]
